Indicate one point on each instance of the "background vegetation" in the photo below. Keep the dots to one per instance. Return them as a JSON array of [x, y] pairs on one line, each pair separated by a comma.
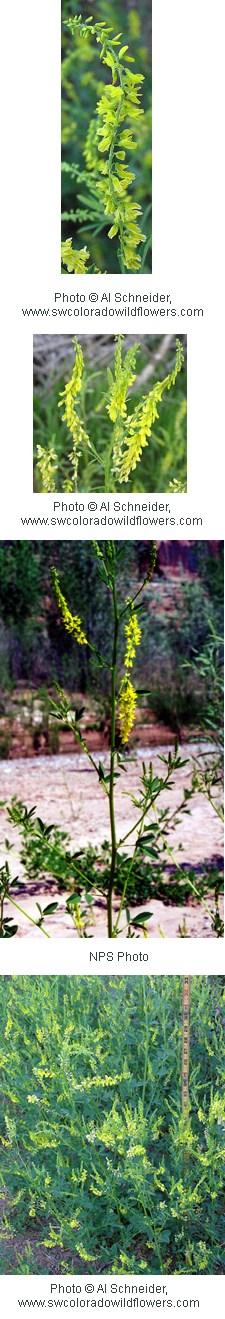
[[99, 1169], [83, 77], [165, 457]]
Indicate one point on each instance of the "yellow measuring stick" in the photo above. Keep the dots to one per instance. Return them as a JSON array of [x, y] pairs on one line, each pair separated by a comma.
[[185, 1041]]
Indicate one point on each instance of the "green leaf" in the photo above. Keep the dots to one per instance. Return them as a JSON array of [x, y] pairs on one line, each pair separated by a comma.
[[9, 931], [50, 909], [143, 691], [144, 916], [73, 901]]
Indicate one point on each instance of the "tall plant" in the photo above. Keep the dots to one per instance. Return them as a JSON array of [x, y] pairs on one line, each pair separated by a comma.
[[123, 700], [44, 847]]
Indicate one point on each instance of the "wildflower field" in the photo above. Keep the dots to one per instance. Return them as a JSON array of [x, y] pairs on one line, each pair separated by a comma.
[[100, 1169], [138, 826], [106, 137], [110, 417]]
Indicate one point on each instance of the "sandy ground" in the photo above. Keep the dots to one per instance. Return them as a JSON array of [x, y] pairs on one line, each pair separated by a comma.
[[64, 789]]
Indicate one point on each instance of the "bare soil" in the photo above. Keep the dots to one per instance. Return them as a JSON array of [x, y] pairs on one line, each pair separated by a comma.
[[15, 1246]]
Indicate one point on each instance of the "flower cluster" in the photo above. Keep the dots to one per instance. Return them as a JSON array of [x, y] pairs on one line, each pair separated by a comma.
[[95, 1082], [127, 694], [176, 487], [74, 260], [124, 377], [47, 466], [138, 429], [111, 134], [71, 415], [118, 104], [127, 704], [119, 383], [133, 635], [130, 430], [72, 622]]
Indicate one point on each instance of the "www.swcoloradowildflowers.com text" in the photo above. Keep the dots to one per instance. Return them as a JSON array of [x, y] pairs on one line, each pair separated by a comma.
[[111, 521], [134, 1296]]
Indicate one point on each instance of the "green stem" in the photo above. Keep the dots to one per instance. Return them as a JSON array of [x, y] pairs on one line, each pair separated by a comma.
[[134, 826], [218, 809], [121, 906], [92, 762], [84, 747], [134, 597], [112, 761], [121, 262], [147, 807], [108, 482], [28, 917], [139, 826]]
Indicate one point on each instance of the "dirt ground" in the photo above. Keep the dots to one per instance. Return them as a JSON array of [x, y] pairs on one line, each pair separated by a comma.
[[19, 1247], [64, 790]]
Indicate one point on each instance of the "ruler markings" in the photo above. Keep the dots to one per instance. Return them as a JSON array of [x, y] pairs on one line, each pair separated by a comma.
[[185, 1041]]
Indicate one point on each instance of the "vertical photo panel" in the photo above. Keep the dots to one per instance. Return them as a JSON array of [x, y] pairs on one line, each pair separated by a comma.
[[111, 728], [107, 1166], [106, 137]]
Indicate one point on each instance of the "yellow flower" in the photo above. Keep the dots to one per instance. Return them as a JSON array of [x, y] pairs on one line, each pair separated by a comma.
[[127, 703], [127, 694], [133, 634], [124, 377], [73, 386], [67, 400], [8, 1028], [47, 465], [75, 261], [139, 425], [72, 622]]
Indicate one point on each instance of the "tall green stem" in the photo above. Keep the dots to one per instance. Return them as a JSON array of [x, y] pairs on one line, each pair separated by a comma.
[[112, 761]]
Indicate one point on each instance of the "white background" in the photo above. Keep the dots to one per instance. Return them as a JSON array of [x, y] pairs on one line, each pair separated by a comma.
[[188, 240], [209, 1292]]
